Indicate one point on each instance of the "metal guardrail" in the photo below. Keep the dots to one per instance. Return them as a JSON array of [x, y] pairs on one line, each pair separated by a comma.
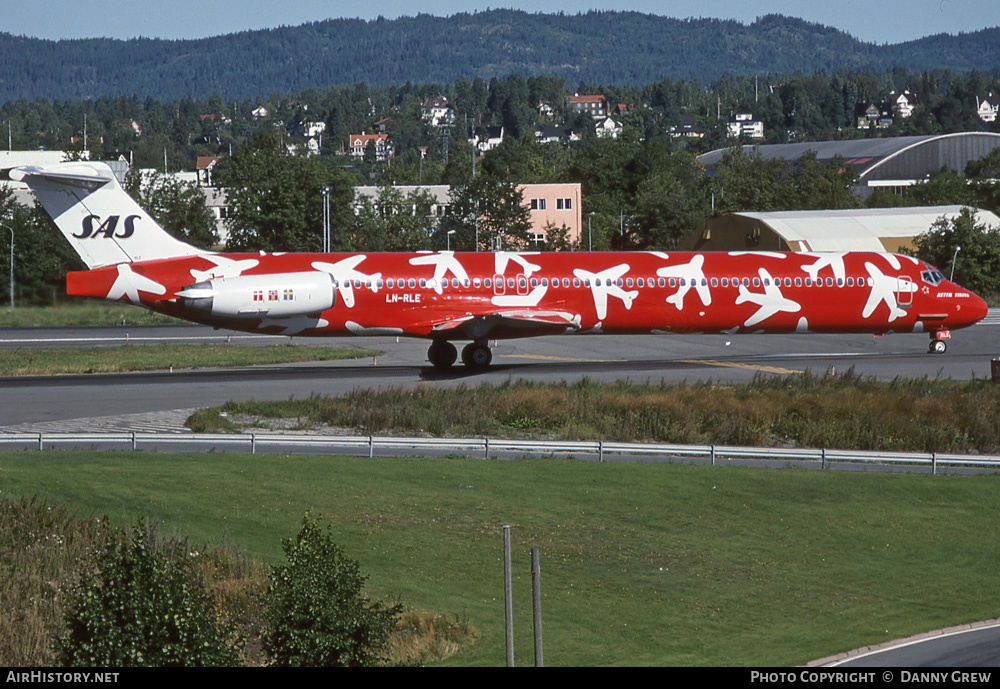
[[485, 448]]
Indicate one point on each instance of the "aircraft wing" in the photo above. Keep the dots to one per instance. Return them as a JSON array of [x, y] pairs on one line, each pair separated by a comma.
[[524, 320]]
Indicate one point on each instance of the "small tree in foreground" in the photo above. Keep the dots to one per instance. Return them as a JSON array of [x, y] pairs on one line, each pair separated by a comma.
[[142, 608], [317, 612]]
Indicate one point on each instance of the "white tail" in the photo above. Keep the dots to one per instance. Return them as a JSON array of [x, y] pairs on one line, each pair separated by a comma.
[[102, 223]]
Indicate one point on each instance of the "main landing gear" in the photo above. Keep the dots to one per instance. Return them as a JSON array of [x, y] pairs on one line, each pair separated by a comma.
[[938, 344], [475, 355]]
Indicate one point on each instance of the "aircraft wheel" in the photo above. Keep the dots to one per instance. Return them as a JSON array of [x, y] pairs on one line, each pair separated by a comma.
[[476, 356], [442, 354], [938, 347]]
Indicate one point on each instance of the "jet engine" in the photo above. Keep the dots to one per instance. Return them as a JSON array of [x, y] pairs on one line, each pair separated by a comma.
[[254, 296]]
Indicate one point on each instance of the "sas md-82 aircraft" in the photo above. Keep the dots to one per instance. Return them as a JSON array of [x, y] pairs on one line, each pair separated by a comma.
[[446, 296]]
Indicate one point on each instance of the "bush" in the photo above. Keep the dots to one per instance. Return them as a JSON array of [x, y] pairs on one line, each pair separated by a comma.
[[316, 609], [142, 608]]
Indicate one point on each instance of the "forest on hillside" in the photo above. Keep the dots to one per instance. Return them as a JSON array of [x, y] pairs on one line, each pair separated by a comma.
[[620, 48]]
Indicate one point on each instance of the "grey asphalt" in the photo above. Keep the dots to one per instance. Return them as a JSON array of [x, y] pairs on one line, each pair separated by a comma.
[[403, 362]]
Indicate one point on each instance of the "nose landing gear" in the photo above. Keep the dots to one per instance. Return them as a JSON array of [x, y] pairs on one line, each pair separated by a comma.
[[938, 344]]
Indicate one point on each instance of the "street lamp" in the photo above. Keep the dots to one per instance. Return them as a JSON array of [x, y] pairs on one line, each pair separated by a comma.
[[954, 258], [590, 234], [326, 219], [447, 239], [11, 230]]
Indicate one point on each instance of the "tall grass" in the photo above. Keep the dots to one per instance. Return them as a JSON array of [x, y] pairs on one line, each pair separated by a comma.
[[44, 548], [845, 411]]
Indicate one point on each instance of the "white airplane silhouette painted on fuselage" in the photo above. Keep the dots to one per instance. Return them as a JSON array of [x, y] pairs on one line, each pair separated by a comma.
[[770, 301]]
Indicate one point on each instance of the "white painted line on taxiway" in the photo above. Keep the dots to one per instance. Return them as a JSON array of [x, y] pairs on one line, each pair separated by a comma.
[[41, 340]]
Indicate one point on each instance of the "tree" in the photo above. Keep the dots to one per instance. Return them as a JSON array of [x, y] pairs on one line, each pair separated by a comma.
[[503, 220], [42, 257], [392, 221], [316, 609], [179, 207], [666, 209], [275, 200], [977, 265], [142, 608]]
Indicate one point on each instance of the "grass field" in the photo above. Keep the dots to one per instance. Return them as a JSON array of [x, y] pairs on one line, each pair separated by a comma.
[[641, 564], [161, 357], [81, 312]]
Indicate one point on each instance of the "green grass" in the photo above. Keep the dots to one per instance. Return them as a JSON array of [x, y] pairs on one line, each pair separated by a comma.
[[641, 564], [84, 312], [844, 411], [60, 361]]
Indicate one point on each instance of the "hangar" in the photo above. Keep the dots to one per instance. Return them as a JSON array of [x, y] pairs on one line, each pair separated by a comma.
[[898, 161], [856, 229]]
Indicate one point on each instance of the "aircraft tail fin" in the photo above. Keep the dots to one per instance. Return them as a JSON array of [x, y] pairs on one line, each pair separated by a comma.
[[102, 223]]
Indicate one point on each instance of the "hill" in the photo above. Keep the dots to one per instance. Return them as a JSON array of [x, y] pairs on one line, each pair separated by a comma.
[[595, 47]]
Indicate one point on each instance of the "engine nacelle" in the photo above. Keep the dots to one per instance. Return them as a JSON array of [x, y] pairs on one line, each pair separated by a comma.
[[256, 296]]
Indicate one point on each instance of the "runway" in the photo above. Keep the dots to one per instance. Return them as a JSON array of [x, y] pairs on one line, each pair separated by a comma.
[[79, 400]]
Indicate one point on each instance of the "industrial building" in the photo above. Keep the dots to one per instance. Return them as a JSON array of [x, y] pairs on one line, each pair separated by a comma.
[[899, 161], [857, 229]]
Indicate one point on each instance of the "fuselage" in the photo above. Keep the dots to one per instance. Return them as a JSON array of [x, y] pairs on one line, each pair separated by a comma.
[[453, 296]]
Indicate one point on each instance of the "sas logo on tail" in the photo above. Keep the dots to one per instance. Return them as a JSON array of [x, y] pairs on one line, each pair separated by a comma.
[[92, 227]]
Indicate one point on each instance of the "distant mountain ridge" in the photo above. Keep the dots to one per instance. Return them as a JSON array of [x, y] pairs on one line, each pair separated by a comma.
[[594, 47]]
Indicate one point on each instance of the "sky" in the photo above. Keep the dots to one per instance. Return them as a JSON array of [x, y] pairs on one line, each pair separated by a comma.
[[876, 21]]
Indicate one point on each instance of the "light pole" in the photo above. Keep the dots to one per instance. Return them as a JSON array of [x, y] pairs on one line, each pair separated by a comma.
[[11, 230], [447, 239], [326, 219], [954, 258], [590, 234]]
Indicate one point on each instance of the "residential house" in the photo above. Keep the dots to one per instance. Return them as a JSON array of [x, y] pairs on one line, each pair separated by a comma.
[[873, 115], [687, 128], [986, 110], [595, 106], [545, 110], [438, 112], [358, 144], [608, 128], [204, 166], [314, 129], [903, 104], [742, 124], [487, 138], [546, 134]]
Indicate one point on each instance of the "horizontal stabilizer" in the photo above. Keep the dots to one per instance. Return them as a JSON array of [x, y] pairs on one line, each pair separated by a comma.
[[102, 223], [82, 175]]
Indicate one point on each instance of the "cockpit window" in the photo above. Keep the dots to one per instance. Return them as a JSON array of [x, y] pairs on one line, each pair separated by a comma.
[[932, 275]]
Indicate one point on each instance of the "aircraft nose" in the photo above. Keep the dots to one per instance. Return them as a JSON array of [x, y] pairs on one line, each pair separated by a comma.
[[976, 310], [966, 312]]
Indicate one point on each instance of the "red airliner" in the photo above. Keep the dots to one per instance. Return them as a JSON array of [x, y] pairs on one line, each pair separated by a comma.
[[446, 296]]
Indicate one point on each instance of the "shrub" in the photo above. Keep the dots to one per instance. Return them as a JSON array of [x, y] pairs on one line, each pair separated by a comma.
[[142, 608], [316, 609]]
